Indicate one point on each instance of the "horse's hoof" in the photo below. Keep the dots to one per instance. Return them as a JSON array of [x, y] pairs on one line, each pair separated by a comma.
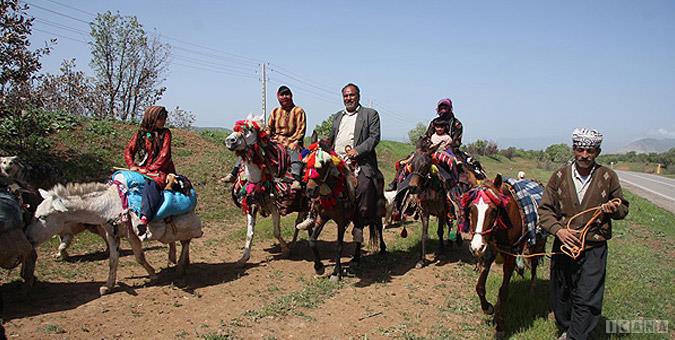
[[61, 256], [500, 335], [419, 264], [335, 278], [29, 282], [104, 290], [489, 310], [242, 261], [383, 252], [319, 268]]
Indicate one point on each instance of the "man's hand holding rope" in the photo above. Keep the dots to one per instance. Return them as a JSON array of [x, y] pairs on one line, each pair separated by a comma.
[[570, 237]]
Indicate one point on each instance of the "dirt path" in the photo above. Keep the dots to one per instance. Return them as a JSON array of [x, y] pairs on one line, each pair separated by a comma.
[[269, 298]]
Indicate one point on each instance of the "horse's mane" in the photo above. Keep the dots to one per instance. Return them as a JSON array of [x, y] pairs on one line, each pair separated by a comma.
[[78, 189]]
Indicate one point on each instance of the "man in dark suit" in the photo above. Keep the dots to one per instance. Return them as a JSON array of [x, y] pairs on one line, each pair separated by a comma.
[[355, 134]]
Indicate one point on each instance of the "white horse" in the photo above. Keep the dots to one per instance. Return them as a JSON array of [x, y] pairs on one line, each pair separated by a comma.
[[100, 204], [257, 169]]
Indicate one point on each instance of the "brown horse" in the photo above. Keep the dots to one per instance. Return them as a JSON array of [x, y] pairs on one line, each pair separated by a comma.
[[496, 226], [429, 195], [330, 188]]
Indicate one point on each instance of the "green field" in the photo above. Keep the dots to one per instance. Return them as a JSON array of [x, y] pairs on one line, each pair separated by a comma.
[[640, 271]]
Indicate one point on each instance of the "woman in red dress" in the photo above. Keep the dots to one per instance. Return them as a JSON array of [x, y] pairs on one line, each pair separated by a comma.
[[149, 153]]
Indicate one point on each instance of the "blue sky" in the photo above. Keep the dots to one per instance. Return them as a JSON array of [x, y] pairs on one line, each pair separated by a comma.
[[521, 73]]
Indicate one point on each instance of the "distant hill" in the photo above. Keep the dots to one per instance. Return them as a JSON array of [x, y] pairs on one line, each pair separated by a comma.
[[648, 145]]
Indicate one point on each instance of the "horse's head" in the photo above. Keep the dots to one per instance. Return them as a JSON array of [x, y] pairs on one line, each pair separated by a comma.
[[421, 163], [246, 133], [318, 168], [483, 204], [49, 217]]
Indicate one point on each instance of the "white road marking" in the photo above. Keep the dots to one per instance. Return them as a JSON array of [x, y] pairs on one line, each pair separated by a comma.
[[647, 189], [651, 179]]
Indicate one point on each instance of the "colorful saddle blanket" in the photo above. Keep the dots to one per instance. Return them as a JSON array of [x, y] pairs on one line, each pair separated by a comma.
[[528, 194], [131, 184]]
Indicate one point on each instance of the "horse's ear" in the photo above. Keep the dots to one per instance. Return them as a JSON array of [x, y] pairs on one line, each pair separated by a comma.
[[498, 181], [315, 137], [471, 178], [44, 193], [433, 148]]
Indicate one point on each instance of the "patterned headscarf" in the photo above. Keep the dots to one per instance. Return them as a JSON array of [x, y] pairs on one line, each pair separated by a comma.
[[586, 138], [444, 101]]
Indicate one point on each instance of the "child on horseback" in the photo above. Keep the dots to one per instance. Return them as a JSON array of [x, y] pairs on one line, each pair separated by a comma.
[[149, 153], [441, 139]]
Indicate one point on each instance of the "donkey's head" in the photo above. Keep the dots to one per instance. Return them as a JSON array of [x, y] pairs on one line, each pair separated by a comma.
[[49, 217], [73, 203], [245, 134], [483, 204]]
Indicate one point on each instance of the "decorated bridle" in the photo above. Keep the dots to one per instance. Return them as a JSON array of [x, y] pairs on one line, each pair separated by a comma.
[[316, 158], [500, 200]]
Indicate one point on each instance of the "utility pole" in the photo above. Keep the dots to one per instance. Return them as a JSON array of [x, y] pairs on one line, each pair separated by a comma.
[[264, 91]]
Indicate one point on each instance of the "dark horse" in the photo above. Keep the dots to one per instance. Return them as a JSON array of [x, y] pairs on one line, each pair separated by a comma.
[[496, 226], [330, 188], [428, 193]]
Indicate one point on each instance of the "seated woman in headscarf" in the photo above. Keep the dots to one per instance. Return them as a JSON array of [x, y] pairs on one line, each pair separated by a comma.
[[446, 119], [149, 153]]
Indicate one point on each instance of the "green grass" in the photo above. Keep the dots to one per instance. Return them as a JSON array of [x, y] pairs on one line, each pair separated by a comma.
[[388, 152], [313, 294], [53, 329], [639, 273]]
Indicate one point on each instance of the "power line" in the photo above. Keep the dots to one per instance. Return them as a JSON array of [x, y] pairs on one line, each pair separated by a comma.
[[213, 70], [71, 7], [58, 13], [302, 81], [213, 64], [57, 25], [305, 90], [214, 56], [245, 59], [60, 35], [315, 84]]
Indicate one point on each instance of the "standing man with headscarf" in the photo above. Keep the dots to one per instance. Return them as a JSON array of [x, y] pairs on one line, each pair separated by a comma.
[[355, 134], [287, 125], [577, 286]]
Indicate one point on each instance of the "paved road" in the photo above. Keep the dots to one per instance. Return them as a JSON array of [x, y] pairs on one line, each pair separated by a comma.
[[659, 190]]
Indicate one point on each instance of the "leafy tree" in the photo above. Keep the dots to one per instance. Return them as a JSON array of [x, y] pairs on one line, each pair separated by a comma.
[[24, 134], [129, 66], [70, 91], [18, 64], [509, 152], [324, 128], [415, 133], [558, 153], [181, 118]]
